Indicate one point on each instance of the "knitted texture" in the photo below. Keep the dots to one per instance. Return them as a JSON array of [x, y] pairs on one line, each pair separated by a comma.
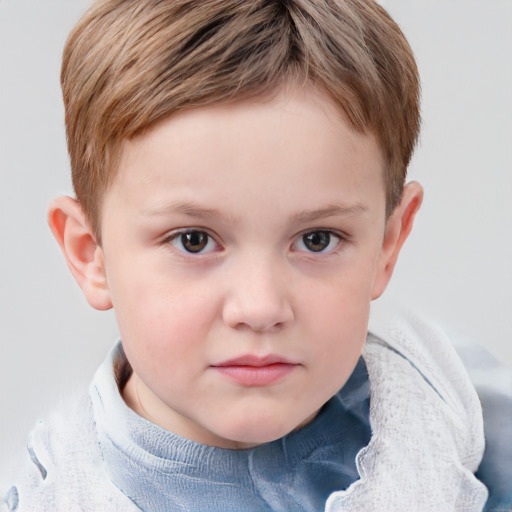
[[427, 426]]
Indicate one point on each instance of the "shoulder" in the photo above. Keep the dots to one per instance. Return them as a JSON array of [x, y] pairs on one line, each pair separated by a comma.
[[468, 377], [422, 408], [413, 357], [452, 361], [62, 468], [493, 383], [427, 348]]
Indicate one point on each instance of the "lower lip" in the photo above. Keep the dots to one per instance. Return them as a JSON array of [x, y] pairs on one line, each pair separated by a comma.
[[256, 375]]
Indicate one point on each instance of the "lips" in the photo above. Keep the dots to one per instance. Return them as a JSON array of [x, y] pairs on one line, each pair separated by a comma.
[[255, 371]]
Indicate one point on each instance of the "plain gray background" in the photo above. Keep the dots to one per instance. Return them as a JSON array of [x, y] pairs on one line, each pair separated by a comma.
[[457, 265]]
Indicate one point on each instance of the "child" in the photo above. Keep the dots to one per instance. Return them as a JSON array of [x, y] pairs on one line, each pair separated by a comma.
[[239, 170]]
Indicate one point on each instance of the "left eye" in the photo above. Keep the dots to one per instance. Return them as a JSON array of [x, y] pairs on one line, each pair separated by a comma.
[[193, 242], [318, 241]]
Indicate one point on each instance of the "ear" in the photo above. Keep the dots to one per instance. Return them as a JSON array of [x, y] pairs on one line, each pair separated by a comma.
[[83, 255], [398, 227]]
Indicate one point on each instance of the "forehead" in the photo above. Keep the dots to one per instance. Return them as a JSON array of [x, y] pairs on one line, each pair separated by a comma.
[[295, 140]]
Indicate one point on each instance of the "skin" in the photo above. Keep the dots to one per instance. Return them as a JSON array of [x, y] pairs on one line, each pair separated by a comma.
[[285, 205]]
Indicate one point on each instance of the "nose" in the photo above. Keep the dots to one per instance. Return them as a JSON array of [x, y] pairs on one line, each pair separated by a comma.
[[258, 298]]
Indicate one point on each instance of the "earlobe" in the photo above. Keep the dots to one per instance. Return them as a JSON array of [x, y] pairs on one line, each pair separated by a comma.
[[398, 227], [83, 255]]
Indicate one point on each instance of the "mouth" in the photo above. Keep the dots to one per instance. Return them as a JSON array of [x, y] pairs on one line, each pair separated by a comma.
[[255, 371]]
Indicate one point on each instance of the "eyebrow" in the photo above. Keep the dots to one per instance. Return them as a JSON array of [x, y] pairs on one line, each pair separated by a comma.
[[200, 212], [329, 211], [188, 209]]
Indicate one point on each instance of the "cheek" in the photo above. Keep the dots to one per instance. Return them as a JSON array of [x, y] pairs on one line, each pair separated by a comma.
[[338, 313], [342, 322], [342, 296], [161, 319]]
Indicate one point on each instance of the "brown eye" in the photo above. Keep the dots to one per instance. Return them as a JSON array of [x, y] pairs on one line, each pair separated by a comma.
[[319, 241], [193, 242]]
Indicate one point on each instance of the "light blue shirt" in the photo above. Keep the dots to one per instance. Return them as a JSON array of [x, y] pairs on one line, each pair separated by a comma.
[[160, 471]]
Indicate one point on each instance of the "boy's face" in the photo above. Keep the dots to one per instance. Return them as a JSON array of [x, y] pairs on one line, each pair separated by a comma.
[[242, 245]]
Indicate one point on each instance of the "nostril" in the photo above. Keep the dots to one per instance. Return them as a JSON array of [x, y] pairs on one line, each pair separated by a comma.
[[261, 304], [271, 327], [260, 327]]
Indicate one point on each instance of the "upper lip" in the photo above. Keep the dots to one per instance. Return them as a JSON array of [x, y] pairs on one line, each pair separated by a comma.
[[255, 360]]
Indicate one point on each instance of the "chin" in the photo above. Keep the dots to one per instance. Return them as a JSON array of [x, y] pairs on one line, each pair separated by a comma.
[[249, 434]]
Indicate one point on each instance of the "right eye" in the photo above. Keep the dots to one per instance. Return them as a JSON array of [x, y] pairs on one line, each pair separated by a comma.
[[193, 241], [319, 241]]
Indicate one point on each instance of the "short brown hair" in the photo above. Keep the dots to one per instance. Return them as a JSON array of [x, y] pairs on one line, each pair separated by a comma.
[[129, 63]]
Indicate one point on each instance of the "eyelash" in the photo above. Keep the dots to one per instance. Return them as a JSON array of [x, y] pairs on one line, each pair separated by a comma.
[[176, 239], [338, 239], [178, 242]]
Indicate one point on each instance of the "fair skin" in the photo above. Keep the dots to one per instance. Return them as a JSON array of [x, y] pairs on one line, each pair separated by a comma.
[[241, 247]]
